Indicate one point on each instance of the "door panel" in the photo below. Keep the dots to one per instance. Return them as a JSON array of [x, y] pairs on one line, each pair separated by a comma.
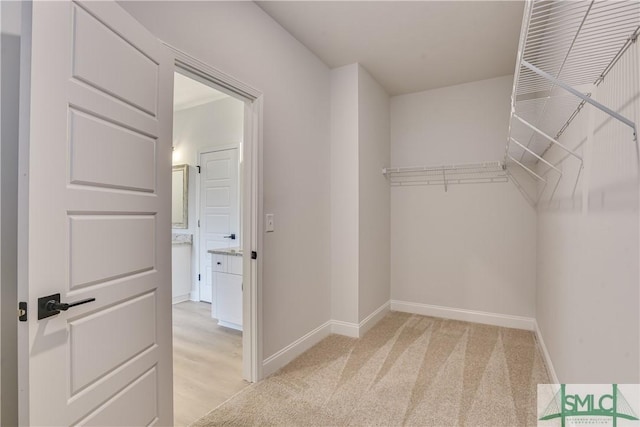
[[219, 212], [100, 56], [218, 197], [92, 356], [99, 200], [96, 144], [139, 399], [125, 245]]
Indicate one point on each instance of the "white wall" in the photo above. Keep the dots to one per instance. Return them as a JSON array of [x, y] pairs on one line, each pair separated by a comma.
[[360, 273], [208, 125], [374, 275], [474, 246], [588, 257], [214, 124], [344, 194], [241, 40], [465, 123], [10, 50]]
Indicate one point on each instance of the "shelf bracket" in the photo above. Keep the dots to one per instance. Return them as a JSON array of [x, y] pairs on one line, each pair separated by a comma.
[[528, 170], [540, 193], [582, 96], [547, 137], [444, 179], [535, 155]]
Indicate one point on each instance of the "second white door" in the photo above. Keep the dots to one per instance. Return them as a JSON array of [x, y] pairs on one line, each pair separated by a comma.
[[219, 211]]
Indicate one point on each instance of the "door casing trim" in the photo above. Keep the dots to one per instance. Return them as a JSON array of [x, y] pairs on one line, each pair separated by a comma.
[[252, 201]]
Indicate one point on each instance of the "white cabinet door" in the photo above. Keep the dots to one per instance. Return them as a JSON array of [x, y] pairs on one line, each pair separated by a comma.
[[229, 300], [95, 203], [219, 210], [180, 272]]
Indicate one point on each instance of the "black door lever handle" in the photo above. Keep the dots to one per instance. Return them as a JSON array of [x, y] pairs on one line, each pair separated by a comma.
[[53, 305], [231, 236], [50, 305]]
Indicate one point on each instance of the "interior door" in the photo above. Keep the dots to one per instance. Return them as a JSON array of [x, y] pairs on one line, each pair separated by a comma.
[[97, 224], [219, 216]]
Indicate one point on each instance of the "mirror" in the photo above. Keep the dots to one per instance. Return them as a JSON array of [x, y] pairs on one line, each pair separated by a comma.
[[179, 196]]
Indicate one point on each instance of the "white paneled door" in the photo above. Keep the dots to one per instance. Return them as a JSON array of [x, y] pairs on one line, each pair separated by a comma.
[[99, 197], [219, 211]]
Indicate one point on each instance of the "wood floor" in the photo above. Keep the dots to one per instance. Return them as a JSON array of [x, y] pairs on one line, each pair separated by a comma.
[[207, 362]]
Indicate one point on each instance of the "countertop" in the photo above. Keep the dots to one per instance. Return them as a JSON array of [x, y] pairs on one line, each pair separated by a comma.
[[226, 251], [181, 239]]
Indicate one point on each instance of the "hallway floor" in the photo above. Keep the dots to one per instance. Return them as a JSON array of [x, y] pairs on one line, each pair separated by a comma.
[[207, 362]]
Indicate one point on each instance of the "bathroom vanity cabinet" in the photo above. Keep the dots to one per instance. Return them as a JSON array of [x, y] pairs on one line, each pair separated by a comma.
[[181, 246], [227, 287]]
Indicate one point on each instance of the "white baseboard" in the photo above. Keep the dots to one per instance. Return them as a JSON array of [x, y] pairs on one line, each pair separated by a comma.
[[180, 298], [495, 319], [357, 330], [299, 346], [345, 328], [373, 318], [545, 353], [230, 325], [272, 363]]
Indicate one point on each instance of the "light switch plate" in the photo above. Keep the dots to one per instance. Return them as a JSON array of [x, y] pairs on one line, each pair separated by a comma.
[[269, 223]]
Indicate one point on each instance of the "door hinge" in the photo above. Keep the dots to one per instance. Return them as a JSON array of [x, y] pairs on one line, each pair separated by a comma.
[[198, 277], [198, 169], [22, 311], [198, 223], [254, 255]]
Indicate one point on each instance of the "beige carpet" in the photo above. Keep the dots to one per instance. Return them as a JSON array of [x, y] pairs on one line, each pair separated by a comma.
[[407, 370]]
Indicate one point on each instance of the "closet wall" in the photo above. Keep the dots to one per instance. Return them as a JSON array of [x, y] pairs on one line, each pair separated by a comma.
[[360, 224], [588, 302], [373, 196], [472, 247]]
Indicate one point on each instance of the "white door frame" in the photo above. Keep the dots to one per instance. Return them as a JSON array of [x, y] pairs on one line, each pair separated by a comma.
[[252, 204]]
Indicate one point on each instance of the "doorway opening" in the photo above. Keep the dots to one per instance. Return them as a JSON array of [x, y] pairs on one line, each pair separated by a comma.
[[208, 283]]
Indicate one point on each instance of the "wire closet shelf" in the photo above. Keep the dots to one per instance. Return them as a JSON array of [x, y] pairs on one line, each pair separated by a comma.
[[445, 175], [566, 49]]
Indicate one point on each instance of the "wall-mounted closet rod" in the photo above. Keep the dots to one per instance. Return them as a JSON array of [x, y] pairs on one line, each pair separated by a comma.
[[582, 96]]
